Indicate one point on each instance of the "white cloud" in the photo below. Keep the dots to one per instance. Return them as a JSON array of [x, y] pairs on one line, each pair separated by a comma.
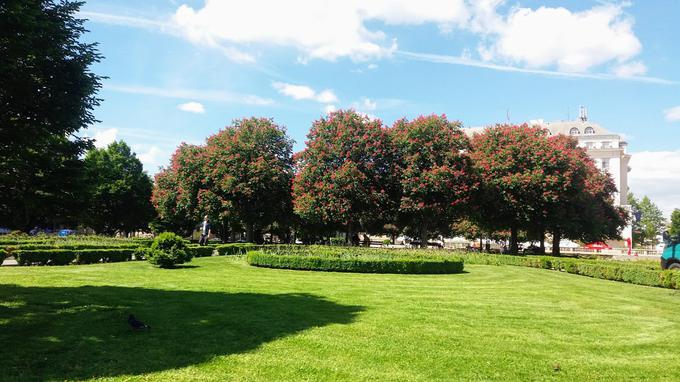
[[192, 107], [372, 66], [330, 108], [302, 92], [367, 104], [631, 69], [572, 41], [153, 158], [104, 137], [672, 114], [653, 173], [319, 29], [198, 94], [464, 61]]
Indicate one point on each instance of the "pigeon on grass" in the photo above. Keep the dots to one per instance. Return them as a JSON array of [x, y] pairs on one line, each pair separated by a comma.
[[135, 324]]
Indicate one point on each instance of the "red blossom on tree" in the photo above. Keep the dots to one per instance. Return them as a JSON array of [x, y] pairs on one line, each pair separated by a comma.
[[344, 175], [434, 171]]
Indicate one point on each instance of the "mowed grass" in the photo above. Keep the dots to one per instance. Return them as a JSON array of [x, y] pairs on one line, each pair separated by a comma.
[[222, 320]]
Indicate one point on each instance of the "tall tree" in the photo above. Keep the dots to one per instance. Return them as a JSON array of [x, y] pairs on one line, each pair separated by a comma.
[[47, 94], [177, 187], [118, 190], [345, 174], [434, 173], [651, 221], [674, 228], [249, 171]]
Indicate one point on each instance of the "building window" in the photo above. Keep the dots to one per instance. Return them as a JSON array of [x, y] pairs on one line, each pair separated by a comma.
[[574, 131], [590, 145], [589, 130], [606, 145], [605, 164]]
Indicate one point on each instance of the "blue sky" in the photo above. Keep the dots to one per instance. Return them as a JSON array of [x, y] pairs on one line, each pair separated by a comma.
[[180, 71]]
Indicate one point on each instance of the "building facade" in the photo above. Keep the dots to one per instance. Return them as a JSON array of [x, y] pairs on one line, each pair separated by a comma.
[[606, 148]]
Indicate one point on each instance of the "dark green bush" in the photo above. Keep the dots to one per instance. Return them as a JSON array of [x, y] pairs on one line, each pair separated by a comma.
[[45, 257], [201, 251], [236, 248], [168, 250], [329, 261]]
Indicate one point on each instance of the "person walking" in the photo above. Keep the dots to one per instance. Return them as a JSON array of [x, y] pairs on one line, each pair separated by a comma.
[[205, 231]]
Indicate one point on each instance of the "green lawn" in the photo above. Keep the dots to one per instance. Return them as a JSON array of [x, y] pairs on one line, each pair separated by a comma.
[[220, 319]]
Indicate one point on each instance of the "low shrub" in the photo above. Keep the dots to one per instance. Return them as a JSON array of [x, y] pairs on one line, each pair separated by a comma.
[[168, 250], [629, 271], [236, 248], [45, 257], [201, 251], [337, 241], [353, 260]]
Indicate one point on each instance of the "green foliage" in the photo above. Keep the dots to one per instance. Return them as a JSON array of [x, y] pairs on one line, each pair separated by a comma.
[[47, 94], [168, 250], [651, 221], [629, 272], [674, 229], [236, 248], [337, 241], [200, 250], [435, 174], [118, 191], [349, 259], [345, 174], [67, 256]]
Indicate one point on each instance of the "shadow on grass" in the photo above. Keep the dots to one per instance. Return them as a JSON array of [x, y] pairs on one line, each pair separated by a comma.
[[82, 332]]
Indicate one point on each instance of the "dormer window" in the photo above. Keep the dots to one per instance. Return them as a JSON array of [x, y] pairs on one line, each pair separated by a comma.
[[589, 130], [574, 131]]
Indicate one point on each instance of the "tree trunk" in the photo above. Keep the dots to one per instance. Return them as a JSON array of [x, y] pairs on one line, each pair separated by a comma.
[[557, 236], [513, 239], [348, 234], [250, 233], [423, 236], [542, 245]]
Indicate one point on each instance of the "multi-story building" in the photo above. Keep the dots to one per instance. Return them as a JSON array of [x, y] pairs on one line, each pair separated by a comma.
[[607, 149]]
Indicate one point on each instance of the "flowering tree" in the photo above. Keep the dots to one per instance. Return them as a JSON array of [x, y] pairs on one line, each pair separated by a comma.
[[434, 173], [177, 187], [345, 174], [248, 174]]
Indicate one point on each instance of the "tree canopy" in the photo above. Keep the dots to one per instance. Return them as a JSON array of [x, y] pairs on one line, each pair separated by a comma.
[[435, 174], [47, 94], [345, 175], [118, 191]]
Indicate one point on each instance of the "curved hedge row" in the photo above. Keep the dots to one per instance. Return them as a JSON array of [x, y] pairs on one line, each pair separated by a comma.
[[360, 264]]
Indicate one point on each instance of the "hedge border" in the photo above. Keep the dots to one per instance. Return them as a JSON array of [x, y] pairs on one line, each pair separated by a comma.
[[600, 269], [68, 256], [405, 265]]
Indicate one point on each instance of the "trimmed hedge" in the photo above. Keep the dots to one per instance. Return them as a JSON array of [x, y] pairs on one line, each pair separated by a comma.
[[368, 264], [200, 251], [629, 272], [236, 248], [67, 256]]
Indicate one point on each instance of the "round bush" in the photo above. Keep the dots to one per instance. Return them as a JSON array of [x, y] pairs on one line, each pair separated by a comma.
[[355, 260], [168, 250]]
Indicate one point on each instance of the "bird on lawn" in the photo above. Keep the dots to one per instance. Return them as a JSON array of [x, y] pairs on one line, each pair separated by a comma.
[[136, 324]]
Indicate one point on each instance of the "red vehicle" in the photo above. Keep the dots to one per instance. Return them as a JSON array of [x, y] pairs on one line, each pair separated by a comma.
[[597, 245]]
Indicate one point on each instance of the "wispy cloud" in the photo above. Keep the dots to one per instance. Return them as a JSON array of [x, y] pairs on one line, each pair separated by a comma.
[[464, 61], [190, 94], [129, 21], [302, 92], [672, 114]]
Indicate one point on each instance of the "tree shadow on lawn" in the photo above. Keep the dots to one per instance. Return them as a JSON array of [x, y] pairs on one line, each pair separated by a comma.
[[82, 332]]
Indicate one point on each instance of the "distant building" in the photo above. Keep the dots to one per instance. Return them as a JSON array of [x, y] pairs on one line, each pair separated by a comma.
[[607, 149]]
